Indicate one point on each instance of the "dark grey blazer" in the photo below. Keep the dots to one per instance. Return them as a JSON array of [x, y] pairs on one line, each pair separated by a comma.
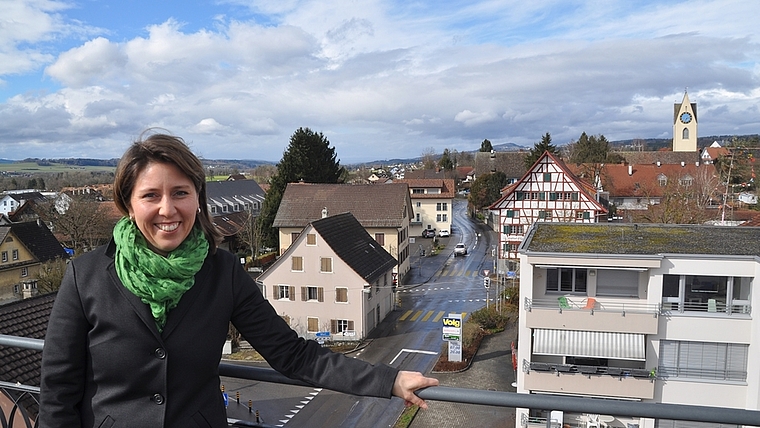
[[105, 364]]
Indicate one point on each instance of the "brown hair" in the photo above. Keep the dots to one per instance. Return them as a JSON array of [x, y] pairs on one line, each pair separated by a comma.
[[163, 148]]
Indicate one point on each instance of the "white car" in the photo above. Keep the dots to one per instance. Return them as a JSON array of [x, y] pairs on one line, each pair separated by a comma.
[[444, 232], [460, 250]]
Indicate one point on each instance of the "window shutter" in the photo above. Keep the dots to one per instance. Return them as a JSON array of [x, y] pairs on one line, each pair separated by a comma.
[[292, 292], [304, 294], [321, 294], [350, 325], [333, 326]]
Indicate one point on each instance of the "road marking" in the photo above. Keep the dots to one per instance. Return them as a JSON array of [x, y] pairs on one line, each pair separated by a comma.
[[403, 317], [417, 315], [411, 351], [439, 316], [427, 316]]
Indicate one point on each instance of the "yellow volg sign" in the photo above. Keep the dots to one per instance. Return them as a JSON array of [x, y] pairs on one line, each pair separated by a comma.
[[452, 322]]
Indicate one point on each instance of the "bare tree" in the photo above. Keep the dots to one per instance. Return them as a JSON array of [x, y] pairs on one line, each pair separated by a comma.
[[50, 275], [83, 222], [429, 158]]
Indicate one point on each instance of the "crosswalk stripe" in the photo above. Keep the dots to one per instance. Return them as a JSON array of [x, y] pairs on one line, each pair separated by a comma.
[[439, 316], [427, 316], [403, 317], [417, 315]]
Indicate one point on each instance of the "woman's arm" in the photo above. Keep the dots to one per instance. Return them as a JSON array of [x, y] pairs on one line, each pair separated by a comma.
[[64, 358]]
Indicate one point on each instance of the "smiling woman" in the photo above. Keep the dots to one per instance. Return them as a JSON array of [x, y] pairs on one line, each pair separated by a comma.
[[157, 302]]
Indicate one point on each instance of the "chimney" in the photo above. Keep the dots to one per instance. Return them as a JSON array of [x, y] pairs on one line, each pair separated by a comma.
[[683, 164], [658, 164], [324, 212], [630, 170]]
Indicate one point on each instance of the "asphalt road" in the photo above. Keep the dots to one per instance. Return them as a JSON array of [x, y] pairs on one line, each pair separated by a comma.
[[409, 338]]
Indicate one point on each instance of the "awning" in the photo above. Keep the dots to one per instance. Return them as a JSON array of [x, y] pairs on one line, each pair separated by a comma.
[[594, 344]]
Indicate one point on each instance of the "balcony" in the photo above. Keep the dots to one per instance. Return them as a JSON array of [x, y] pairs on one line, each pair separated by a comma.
[[16, 399], [629, 383], [571, 313]]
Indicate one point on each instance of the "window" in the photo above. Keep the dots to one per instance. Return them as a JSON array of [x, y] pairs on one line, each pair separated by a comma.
[[224, 208], [286, 292], [513, 228], [417, 217], [547, 176], [325, 264], [312, 324], [341, 295], [685, 134], [701, 293], [294, 236], [703, 360], [566, 280], [15, 254], [340, 326], [311, 239], [5, 256], [545, 215], [380, 238], [237, 207], [444, 217], [513, 213], [513, 247], [442, 206], [617, 283], [311, 293], [438, 218], [662, 180], [418, 191], [419, 204], [686, 181], [24, 272], [583, 215], [213, 209], [296, 264]]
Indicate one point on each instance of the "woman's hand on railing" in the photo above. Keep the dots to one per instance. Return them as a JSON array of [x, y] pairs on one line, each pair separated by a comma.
[[408, 382]]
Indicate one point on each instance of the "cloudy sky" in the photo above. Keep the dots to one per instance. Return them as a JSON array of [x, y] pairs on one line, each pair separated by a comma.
[[379, 78]]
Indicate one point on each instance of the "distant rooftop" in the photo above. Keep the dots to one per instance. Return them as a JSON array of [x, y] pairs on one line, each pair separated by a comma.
[[642, 239]]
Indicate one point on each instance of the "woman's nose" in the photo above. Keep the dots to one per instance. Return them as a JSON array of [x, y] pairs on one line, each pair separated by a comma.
[[166, 207]]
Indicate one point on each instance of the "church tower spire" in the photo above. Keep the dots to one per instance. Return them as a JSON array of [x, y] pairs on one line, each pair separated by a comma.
[[685, 125]]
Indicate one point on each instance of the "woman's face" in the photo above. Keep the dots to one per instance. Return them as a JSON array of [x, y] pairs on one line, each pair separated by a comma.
[[163, 204]]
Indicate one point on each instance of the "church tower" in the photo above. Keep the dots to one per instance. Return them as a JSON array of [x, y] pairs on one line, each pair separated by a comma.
[[685, 125]]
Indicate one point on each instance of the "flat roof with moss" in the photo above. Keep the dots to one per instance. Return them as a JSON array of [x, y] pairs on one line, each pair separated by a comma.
[[642, 239]]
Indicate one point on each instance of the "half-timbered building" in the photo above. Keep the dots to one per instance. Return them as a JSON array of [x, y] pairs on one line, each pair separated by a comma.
[[547, 192]]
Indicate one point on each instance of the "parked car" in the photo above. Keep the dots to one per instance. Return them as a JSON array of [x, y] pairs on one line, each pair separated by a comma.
[[444, 232], [460, 250], [428, 233]]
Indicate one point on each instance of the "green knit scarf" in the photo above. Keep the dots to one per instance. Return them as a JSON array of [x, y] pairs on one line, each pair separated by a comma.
[[157, 280]]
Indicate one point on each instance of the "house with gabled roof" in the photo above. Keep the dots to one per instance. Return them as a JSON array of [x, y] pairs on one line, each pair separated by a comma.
[[512, 164], [23, 249], [548, 192], [224, 197], [333, 278], [11, 201], [636, 187], [385, 211], [432, 200]]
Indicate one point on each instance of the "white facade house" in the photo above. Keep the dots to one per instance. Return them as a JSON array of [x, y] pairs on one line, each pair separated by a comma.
[[548, 192], [649, 312], [432, 200], [334, 279]]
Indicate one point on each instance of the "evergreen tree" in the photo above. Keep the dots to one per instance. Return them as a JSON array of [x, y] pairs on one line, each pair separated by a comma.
[[486, 189], [308, 158], [591, 149], [446, 163], [545, 145], [486, 146]]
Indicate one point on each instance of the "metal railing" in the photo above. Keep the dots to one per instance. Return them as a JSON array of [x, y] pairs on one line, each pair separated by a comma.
[[473, 396], [578, 304]]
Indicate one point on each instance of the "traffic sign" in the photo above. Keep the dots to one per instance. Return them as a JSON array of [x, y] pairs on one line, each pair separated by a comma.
[[486, 272], [323, 334]]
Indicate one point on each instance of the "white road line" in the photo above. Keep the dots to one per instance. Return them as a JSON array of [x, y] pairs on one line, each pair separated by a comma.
[[411, 351]]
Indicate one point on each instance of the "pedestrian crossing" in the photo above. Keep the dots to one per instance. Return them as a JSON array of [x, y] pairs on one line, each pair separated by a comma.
[[458, 271], [412, 315]]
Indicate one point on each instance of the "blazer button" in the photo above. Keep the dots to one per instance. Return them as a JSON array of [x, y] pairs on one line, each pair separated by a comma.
[[160, 353], [158, 399]]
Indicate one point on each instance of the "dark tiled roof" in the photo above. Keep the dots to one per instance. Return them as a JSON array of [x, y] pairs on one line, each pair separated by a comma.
[[25, 318], [38, 239], [429, 174], [230, 223], [351, 242], [27, 196], [643, 239], [383, 205], [512, 164], [232, 188]]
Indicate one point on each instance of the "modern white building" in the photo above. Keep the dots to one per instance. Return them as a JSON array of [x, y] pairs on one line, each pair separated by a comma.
[[642, 312]]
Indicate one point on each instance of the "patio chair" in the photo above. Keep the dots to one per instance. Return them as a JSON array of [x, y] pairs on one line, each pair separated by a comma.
[[564, 303], [590, 304]]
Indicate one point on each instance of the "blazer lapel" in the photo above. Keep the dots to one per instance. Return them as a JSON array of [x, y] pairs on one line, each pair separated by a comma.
[[142, 309], [188, 299]]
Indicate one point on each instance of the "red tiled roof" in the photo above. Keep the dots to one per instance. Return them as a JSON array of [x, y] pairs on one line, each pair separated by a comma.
[[643, 180], [446, 186]]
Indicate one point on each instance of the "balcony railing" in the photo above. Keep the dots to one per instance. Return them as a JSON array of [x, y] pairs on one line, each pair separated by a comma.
[[580, 304], [439, 393]]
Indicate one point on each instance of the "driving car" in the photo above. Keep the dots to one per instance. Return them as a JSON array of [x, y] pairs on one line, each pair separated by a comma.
[[444, 232], [428, 233], [460, 250]]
